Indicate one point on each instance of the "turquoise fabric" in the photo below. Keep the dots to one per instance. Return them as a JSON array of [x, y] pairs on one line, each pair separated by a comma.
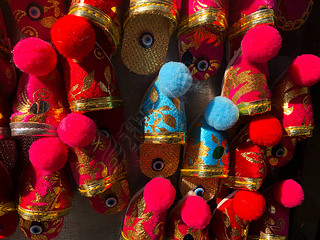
[[208, 144], [162, 114]]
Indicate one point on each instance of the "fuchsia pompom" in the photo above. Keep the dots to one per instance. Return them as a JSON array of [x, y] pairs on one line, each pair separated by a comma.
[[77, 130], [35, 56], [195, 212], [265, 130], [48, 154], [249, 205], [159, 194], [305, 70], [289, 193], [261, 43], [73, 36]]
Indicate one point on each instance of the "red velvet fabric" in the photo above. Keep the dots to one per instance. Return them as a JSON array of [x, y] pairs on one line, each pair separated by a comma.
[[40, 99], [35, 19]]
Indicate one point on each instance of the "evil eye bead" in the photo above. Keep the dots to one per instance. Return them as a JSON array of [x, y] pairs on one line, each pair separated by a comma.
[[35, 12], [188, 237], [202, 65], [146, 40], [187, 58], [39, 108], [158, 164], [199, 191], [218, 152], [111, 201], [279, 151], [36, 228]]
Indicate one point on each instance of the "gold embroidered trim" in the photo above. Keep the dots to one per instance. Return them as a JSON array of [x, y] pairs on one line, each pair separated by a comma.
[[99, 18], [266, 236], [96, 104], [42, 216], [252, 237], [243, 182], [167, 138], [302, 131], [262, 16], [32, 129], [93, 188], [289, 25], [205, 171], [7, 207], [251, 108], [206, 16], [165, 8]]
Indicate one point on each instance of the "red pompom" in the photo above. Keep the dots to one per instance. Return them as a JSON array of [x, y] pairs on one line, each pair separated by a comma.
[[289, 193], [261, 43], [305, 70], [34, 56], [265, 130], [48, 154], [77, 130], [249, 205], [73, 36], [195, 212], [159, 194]]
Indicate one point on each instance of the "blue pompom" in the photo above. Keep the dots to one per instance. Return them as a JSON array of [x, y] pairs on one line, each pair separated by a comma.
[[174, 79], [221, 113]]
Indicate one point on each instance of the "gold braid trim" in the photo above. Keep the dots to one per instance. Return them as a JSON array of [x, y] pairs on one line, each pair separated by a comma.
[[242, 182], [205, 171], [32, 129], [266, 236], [96, 104], [206, 16], [165, 138], [289, 25], [262, 16], [299, 131], [255, 107], [93, 188], [42, 216], [100, 18]]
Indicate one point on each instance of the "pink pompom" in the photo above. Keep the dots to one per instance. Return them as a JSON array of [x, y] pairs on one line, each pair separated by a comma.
[[73, 36], [261, 43], [289, 193], [305, 70], [159, 194], [265, 130], [249, 205], [34, 56], [77, 130], [48, 154], [195, 212]]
